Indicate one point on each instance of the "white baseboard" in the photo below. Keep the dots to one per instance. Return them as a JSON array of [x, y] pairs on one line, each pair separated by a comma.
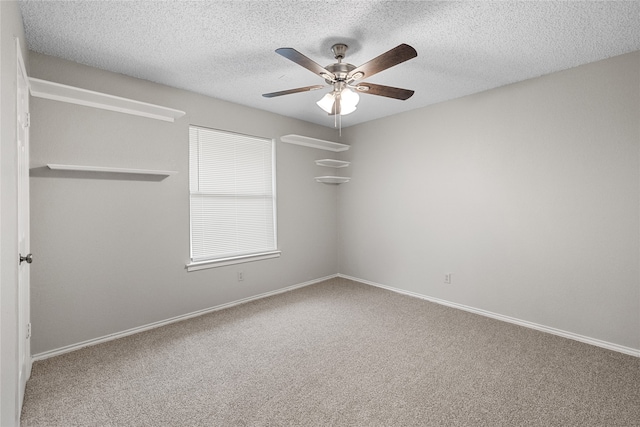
[[527, 324], [114, 336], [588, 340]]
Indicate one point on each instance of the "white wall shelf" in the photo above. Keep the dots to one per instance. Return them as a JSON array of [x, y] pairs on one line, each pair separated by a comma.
[[333, 179], [74, 95], [331, 163], [314, 143], [102, 169]]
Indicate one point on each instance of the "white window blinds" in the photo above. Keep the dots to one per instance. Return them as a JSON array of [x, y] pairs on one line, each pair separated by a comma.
[[231, 185]]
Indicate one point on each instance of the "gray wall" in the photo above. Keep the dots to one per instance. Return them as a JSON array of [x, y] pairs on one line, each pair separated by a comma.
[[111, 253], [528, 194], [10, 27]]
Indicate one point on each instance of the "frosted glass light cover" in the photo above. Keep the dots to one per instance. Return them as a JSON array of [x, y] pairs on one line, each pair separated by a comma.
[[349, 98], [348, 101], [346, 108], [326, 103]]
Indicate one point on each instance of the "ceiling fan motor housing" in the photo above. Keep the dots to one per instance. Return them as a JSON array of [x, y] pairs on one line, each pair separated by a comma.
[[340, 70]]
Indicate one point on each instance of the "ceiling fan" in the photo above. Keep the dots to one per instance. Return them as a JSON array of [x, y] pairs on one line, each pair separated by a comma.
[[345, 78]]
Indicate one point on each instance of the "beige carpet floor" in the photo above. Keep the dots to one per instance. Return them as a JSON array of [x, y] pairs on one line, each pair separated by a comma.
[[337, 353]]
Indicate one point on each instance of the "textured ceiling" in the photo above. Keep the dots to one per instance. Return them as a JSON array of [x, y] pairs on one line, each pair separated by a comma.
[[225, 49]]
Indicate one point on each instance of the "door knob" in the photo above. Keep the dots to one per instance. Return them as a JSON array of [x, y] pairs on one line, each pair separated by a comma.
[[28, 258]]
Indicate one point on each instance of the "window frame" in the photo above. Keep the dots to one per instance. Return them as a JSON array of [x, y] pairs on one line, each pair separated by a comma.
[[240, 258]]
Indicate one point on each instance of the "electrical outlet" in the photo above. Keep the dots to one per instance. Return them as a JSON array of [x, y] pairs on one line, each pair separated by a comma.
[[240, 276], [447, 279]]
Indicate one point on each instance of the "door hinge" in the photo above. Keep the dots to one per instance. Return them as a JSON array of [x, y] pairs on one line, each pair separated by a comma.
[[28, 330], [27, 120]]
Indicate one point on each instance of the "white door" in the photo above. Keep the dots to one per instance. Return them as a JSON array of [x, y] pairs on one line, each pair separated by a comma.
[[24, 254]]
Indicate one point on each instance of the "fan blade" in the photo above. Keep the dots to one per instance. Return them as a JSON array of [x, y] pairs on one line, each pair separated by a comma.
[[388, 91], [290, 91], [395, 56], [307, 63]]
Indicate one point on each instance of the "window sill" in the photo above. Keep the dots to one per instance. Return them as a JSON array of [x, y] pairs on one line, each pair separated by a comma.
[[221, 262]]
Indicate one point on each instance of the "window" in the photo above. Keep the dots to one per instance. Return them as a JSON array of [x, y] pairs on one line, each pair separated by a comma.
[[232, 198]]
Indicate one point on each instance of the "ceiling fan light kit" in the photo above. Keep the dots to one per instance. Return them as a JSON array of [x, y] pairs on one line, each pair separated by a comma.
[[343, 77], [343, 102]]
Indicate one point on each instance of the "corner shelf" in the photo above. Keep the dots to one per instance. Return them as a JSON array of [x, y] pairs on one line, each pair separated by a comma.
[[314, 143], [102, 169], [333, 179], [74, 95], [331, 163]]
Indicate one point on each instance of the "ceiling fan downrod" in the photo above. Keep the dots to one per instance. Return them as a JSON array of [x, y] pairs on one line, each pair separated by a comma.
[[339, 70]]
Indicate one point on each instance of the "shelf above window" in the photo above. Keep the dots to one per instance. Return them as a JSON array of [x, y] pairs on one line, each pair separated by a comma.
[[333, 179], [314, 143], [102, 169], [89, 98], [331, 163]]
